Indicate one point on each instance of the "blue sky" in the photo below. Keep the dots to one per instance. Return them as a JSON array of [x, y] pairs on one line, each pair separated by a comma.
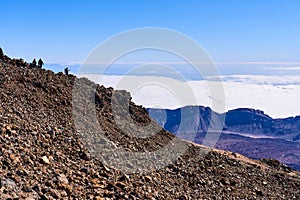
[[231, 31]]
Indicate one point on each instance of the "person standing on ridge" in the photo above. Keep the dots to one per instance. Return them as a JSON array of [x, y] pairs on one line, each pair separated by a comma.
[[40, 63], [67, 71], [1, 53], [33, 64]]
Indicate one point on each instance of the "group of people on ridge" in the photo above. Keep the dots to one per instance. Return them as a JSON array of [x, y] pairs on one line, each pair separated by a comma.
[[21, 62], [34, 64]]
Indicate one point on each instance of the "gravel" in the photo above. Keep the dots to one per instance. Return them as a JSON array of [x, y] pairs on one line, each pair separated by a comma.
[[43, 155]]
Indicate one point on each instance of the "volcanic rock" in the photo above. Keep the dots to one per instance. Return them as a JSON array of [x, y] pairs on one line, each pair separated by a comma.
[[37, 122]]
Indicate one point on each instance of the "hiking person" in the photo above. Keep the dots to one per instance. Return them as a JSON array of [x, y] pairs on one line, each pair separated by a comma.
[[67, 71], [1, 53], [40, 63], [33, 63]]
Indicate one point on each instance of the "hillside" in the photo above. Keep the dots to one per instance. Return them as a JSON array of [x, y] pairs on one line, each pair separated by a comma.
[[43, 156]]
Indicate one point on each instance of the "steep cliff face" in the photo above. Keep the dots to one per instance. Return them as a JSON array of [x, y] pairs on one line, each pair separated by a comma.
[[242, 120], [44, 156], [246, 131], [250, 117], [183, 120], [256, 122]]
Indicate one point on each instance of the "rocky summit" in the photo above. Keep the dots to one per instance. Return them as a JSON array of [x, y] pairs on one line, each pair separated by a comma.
[[44, 155]]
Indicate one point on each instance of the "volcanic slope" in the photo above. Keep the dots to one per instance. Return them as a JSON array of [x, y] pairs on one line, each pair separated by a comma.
[[43, 157]]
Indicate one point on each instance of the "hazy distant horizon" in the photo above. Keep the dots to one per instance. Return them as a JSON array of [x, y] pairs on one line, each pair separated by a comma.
[[224, 68]]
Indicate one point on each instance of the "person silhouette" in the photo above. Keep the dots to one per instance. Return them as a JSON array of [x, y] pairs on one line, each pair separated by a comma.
[[33, 64], [67, 71], [40, 63]]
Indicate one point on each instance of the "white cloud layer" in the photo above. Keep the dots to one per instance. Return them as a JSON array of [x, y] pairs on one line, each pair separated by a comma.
[[277, 96]]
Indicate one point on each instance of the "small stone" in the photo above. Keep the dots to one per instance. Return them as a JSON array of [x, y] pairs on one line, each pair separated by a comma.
[[224, 181], [98, 186], [99, 198], [45, 190], [259, 192], [84, 170], [9, 174], [106, 168], [66, 187], [124, 177], [148, 178], [27, 189], [265, 183], [43, 197], [45, 160], [63, 193], [54, 193], [36, 188], [63, 179], [84, 155], [19, 173], [14, 158], [121, 185], [30, 198], [3, 130]]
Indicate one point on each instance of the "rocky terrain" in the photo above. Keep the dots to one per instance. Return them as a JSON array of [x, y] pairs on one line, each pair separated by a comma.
[[43, 155], [246, 131]]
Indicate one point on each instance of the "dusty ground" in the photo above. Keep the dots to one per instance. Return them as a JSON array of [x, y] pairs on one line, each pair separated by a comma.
[[44, 157]]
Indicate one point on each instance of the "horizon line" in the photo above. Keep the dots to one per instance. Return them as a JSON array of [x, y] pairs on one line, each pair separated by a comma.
[[178, 63]]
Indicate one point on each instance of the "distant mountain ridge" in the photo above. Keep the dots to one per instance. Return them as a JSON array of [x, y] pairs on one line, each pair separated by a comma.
[[241, 120], [247, 131], [256, 122]]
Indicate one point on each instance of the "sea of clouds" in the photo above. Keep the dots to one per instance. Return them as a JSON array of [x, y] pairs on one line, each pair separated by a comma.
[[277, 96], [271, 87]]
